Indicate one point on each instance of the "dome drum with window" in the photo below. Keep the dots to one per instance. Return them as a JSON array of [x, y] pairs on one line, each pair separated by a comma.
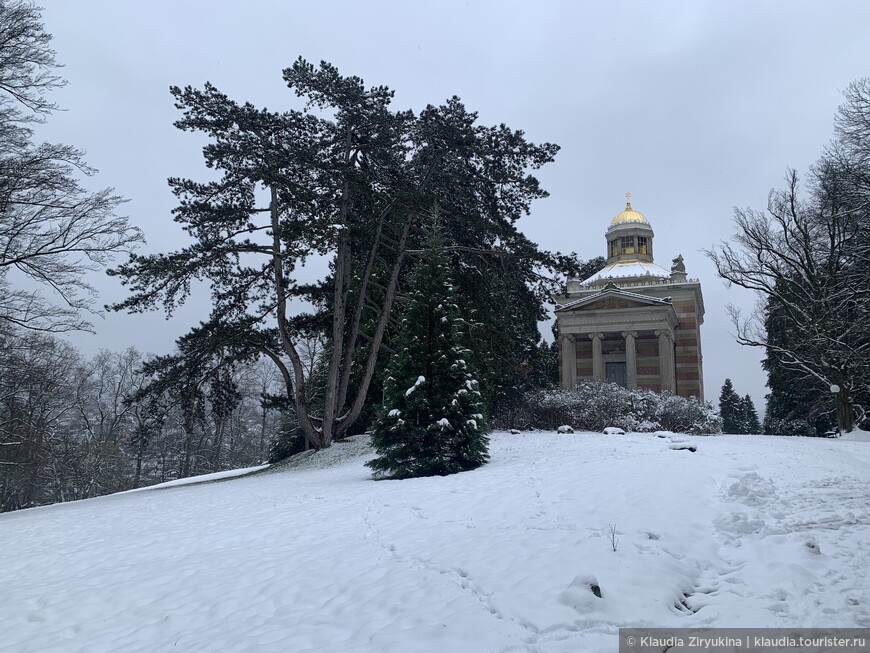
[[629, 237]]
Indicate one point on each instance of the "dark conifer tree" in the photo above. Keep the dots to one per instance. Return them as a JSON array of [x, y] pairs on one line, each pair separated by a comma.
[[749, 416], [794, 404], [730, 408], [431, 422]]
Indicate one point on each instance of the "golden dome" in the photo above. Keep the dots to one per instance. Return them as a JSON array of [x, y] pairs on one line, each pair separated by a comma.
[[629, 214]]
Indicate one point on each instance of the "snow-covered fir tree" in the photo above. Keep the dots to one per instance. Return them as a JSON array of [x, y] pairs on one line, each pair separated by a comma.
[[431, 423], [749, 416], [730, 409]]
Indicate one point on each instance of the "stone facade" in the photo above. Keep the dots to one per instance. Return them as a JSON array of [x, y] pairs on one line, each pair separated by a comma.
[[634, 322]]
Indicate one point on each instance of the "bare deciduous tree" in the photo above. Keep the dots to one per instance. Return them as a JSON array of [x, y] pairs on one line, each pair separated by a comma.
[[54, 232], [806, 258]]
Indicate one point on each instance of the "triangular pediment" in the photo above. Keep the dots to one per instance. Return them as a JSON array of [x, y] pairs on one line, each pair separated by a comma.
[[612, 297]]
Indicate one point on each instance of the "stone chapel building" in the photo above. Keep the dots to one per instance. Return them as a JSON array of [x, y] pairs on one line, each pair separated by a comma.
[[634, 322]]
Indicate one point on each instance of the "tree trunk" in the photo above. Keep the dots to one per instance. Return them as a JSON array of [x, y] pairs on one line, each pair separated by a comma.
[[139, 452], [845, 410], [263, 428]]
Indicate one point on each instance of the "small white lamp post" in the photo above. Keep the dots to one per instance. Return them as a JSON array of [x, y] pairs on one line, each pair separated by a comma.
[[835, 390]]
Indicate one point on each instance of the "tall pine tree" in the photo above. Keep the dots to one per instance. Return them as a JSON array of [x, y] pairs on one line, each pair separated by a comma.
[[346, 176], [431, 423]]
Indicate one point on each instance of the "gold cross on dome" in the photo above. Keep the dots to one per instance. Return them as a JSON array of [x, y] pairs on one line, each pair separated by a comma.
[[627, 199]]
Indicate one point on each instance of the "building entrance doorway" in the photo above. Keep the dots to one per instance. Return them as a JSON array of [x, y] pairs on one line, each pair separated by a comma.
[[616, 373]]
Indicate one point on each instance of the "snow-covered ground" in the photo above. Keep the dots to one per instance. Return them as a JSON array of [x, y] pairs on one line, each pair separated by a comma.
[[744, 531]]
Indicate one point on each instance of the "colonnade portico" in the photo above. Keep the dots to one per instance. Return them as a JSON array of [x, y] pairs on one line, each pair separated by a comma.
[[624, 352]]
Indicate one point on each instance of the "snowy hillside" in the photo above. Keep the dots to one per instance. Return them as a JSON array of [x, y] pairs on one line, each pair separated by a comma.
[[745, 531]]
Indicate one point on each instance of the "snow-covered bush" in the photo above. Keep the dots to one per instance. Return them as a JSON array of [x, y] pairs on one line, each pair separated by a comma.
[[790, 427], [687, 415], [594, 405]]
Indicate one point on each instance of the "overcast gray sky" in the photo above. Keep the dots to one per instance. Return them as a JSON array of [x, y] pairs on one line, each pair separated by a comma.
[[695, 107]]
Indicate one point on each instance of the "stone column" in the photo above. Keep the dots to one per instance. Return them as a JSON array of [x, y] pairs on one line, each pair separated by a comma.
[[630, 357], [569, 362], [666, 360], [597, 356]]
